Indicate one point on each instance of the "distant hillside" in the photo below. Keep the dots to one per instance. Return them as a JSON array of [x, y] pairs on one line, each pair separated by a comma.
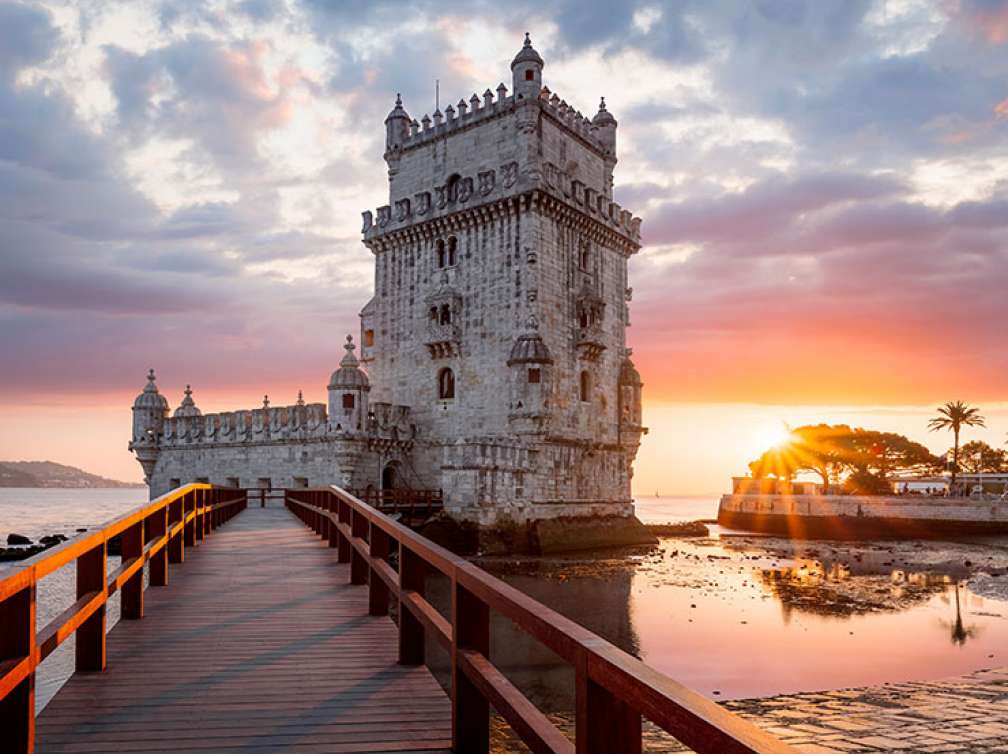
[[49, 474]]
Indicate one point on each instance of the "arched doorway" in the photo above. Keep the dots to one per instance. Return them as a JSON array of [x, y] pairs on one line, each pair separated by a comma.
[[390, 476]]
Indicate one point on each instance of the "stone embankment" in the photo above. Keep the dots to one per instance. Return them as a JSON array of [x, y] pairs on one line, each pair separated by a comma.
[[862, 517]]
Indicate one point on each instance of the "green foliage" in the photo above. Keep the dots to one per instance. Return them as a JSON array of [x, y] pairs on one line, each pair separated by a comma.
[[979, 457], [955, 415]]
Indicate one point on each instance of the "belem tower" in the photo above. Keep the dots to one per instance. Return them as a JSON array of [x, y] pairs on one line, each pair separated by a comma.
[[492, 359]]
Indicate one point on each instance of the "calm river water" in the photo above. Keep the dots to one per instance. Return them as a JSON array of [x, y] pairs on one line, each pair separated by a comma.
[[729, 615]]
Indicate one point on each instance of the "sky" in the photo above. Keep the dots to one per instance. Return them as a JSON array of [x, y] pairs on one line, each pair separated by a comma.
[[824, 187]]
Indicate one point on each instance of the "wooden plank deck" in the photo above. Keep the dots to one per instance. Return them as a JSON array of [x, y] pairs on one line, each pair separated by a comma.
[[257, 644]]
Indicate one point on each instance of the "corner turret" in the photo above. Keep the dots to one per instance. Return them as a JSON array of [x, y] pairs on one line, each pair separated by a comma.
[[526, 71], [150, 409], [606, 125], [397, 126], [348, 392], [187, 407]]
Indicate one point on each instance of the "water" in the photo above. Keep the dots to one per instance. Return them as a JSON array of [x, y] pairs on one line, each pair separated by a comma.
[[37, 512], [673, 509]]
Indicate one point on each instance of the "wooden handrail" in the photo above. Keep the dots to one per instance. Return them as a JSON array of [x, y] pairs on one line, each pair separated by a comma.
[[157, 532], [614, 690]]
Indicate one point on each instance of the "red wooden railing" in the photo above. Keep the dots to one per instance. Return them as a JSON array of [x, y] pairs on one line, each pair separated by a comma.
[[614, 690], [402, 501], [158, 532]]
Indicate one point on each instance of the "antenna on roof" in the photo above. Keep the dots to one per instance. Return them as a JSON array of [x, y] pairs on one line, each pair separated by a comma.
[[437, 94]]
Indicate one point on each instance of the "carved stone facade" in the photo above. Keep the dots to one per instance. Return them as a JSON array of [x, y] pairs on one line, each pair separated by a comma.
[[493, 362]]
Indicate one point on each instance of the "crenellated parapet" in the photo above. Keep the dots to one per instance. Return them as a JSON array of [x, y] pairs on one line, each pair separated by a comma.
[[268, 424]]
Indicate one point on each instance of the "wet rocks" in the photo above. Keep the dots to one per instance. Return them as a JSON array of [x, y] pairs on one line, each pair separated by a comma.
[[18, 539], [683, 529]]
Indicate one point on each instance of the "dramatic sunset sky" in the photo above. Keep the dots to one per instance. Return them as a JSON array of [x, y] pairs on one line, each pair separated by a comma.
[[824, 187]]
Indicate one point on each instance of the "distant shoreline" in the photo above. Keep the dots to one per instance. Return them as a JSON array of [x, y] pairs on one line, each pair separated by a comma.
[[51, 475]]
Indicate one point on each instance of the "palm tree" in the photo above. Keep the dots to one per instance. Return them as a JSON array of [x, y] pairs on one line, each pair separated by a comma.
[[955, 415]]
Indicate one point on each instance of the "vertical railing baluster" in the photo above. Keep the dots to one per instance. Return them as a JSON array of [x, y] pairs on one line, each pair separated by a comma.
[[358, 566], [176, 546], [378, 592], [343, 553], [91, 575], [470, 711], [17, 640], [188, 506], [132, 591], [157, 525], [412, 577], [332, 505], [604, 724]]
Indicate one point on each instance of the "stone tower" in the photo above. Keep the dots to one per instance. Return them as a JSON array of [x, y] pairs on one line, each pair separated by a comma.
[[150, 409], [500, 304]]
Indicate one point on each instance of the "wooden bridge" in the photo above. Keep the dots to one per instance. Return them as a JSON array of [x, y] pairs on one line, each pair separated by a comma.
[[268, 639]]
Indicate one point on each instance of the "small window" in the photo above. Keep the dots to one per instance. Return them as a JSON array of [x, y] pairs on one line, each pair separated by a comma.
[[434, 314], [369, 338], [445, 314], [446, 384], [452, 187], [530, 75], [583, 318], [452, 249], [585, 387], [534, 375], [348, 400], [264, 483], [441, 259], [584, 256]]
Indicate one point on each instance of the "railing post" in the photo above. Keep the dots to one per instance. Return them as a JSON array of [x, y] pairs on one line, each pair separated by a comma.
[[378, 593], [91, 634], [343, 553], [17, 640], [332, 505], [604, 724], [176, 547], [210, 501], [132, 591], [470, 711], [412, 571], [358, 566], [199, 525], [157, 525], [189, 505]]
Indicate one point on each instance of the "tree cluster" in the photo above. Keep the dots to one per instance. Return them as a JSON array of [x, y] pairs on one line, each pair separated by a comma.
[[859, 460]]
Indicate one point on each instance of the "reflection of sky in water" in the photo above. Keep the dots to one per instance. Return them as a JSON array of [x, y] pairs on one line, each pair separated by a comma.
[[749, 623]]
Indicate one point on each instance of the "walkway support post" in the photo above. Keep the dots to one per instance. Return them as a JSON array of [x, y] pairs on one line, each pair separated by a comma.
[[17, 645]]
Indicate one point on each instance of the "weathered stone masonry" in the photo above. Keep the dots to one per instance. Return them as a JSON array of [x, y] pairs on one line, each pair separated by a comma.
[[493, 362]]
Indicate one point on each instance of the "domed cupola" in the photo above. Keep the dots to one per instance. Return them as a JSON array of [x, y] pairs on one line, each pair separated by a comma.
[[526, 71], [529, 349], [187, 407], [150, 398], [605, 127], [348, 392]]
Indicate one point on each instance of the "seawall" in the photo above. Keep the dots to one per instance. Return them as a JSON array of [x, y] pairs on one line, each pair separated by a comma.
[[861, 517]]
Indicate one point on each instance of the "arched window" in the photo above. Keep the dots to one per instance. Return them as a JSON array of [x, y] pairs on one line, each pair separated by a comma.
[[584, 257], [446, 384], [585, 387], [440, 253], [452, 247], [434, 315], [445, 314], [583, 318]]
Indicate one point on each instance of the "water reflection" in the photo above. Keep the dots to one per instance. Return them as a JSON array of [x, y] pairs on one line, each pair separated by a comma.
[[739, 618]]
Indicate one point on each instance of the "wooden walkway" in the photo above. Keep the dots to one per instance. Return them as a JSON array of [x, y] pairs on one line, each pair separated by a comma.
[[258, 644]]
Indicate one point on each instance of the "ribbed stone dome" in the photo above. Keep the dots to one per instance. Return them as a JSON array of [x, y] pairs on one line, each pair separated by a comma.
[[188, 407], [527, 54], [529, 349], [628, 374], [603, 117], [150, 397], [349, 374]]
